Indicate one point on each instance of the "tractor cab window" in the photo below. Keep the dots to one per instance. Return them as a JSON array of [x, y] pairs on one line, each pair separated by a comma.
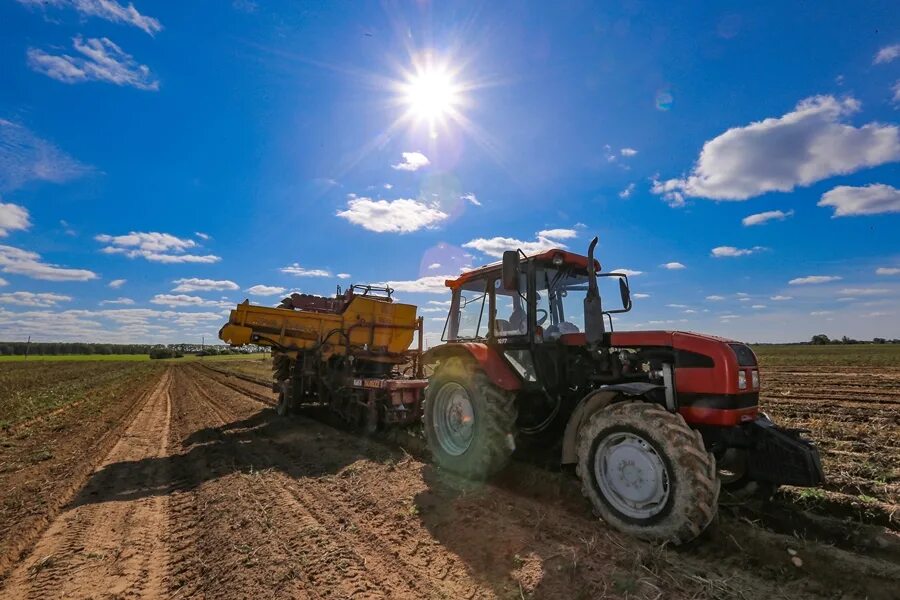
[[560, 300], [511, 313], [471, 311]]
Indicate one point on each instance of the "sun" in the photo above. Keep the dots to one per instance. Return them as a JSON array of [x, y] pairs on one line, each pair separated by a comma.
[[431, 95]]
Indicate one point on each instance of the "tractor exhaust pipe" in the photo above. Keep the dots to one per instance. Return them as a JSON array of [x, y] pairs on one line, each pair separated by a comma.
[[594, 327]]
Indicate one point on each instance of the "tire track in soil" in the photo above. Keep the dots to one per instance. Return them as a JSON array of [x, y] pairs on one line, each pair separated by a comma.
[[334, 551], [108, 549]]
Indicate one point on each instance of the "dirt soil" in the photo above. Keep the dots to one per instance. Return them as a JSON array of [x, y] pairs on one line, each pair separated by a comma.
[[207, 493]]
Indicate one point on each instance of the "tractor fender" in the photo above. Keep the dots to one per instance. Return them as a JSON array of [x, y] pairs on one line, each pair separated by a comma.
[[587, 406], [488, 360]]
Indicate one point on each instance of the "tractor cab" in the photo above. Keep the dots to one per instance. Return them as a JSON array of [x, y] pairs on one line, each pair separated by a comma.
[[530, 300]]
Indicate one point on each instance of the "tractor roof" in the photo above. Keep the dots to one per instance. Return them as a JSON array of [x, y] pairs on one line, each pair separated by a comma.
[[569, 258]]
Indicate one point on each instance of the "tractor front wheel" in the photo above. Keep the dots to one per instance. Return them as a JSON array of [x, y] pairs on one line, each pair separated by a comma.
[[647, 473], [469, 422]]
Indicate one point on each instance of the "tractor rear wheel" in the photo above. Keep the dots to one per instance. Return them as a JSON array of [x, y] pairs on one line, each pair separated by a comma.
[[469, 422], [647, 473]]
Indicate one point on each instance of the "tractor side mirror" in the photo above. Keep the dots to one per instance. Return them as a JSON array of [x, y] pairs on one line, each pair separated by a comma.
[[625, 293], [510, 273]]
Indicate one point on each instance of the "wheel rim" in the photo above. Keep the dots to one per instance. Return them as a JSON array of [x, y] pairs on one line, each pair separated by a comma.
[[454, 419], [631, 475]]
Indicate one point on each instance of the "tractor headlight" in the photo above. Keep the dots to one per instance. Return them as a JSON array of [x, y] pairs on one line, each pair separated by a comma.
[[754, 379], [742, 379], [558, 260]]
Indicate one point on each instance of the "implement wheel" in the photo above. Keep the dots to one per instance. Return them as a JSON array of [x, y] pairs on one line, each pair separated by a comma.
[[283, 408], [647, 473], [737, 487], [469, 422]]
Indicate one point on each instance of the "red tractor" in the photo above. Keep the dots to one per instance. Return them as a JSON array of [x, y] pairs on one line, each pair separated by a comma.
[[653, 421]]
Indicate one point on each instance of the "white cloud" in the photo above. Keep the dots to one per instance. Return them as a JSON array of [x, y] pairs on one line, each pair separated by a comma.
[[193, 284], [896, 90], [343, 275], [432, 309], [546, 240], [25, 157], [764, 217], [677, 305], [887, 271], [433, 266], [780, 298], [820, 313], [887, 54], [388, 186], [731, 251], [174, 300], [155, 247], [472, 198], [203, 236], [109, 10], [715, 298], [412, 161], [430, 284], [33, 299], [627, 192], [802, 147], [298, 271], [673, 266], [864, 291], [670, 190], [392, 216], [13, 218], [265, 290], [628, 152], [873, 199], [813, 279], [758, 306], [629, 272], [123, 301], [641, 296], [558, 234], [102, 60], [116, 283], [25, 262]]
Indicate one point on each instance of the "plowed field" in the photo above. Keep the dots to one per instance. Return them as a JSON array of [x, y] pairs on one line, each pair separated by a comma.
[[196, 488]]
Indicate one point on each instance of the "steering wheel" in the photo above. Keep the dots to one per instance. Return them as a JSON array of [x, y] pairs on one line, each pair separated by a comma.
[[540, 319]]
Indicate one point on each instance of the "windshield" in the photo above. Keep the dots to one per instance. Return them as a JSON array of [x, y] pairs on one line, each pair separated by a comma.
[[560, 300]]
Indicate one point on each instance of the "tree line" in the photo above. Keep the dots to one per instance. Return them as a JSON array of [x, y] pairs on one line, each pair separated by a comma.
[[821, 339], [59, 348]]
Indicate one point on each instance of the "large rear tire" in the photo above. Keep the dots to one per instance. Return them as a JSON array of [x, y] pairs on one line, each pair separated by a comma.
[[647, 473], [469, 422]]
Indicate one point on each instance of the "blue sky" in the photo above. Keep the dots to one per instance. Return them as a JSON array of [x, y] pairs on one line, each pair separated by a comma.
[[159, 163]]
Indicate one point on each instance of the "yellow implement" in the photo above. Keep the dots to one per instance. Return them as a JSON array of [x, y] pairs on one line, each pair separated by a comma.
[[365, 326]]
